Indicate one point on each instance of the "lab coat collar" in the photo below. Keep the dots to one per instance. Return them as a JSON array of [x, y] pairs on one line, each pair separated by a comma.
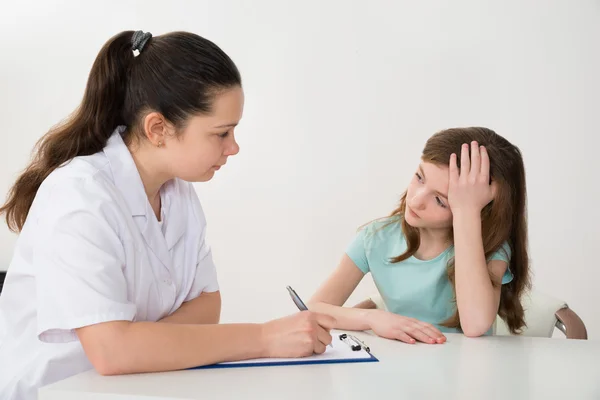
[[125, 173], [127, 179], [174, 212]]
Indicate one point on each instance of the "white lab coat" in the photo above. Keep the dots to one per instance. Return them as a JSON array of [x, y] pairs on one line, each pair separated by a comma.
[[93, 251]]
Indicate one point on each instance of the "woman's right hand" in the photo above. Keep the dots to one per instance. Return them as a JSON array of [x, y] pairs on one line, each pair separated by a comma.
[[298, 335], [405, 329]]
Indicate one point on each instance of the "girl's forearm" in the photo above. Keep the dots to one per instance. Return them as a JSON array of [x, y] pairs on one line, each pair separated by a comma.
[[474, 288], [353, 319]]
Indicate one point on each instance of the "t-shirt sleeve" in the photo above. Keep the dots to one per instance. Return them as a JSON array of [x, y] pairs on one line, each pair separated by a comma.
[[205, 277], [79, 259], [504, 254], [357, 250]]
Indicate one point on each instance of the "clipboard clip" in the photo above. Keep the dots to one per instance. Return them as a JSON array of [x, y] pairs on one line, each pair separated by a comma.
[[358, 344]]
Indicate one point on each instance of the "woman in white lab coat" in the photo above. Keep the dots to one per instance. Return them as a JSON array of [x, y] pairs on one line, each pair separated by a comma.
[[111, 269]]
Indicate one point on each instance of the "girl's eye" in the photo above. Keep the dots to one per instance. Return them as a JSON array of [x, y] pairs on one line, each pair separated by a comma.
[[224, 135], [440, 203], [419, 178]]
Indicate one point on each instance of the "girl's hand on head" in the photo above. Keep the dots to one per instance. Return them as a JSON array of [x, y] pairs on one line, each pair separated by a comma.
[[405, 329], [470, 189]]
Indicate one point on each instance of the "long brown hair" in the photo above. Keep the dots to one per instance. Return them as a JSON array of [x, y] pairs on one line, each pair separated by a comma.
[[176, 74], [504, 219]]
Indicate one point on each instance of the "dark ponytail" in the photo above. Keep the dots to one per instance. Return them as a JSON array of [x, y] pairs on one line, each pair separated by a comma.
[[176, 74]]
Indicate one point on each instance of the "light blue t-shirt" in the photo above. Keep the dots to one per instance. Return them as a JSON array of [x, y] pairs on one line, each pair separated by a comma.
[[413, 288]]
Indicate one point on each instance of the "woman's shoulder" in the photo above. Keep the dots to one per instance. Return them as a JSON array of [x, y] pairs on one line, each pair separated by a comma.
[[74, 188]]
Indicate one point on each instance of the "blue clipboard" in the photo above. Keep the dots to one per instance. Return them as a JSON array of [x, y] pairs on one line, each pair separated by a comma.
[[345, 349]]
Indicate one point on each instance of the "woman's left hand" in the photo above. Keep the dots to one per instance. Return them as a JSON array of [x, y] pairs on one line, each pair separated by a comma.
[[470, 189]]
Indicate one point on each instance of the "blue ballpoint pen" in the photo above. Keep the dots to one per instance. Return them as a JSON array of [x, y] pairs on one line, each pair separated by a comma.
[[299, 303]]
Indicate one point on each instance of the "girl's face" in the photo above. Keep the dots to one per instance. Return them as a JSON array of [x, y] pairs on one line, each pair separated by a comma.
[[207, 140], [427, 198]]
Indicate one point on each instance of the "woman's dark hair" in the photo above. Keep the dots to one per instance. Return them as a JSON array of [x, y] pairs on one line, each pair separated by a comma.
[[177, 74]]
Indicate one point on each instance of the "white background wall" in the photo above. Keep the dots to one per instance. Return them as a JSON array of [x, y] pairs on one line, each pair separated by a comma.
[[340, 98]]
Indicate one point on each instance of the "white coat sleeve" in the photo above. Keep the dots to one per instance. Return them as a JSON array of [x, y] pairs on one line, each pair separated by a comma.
[[205, 277], [79, 260]]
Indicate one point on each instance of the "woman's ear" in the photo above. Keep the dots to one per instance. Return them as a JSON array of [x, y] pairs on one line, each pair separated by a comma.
[[155, 128]]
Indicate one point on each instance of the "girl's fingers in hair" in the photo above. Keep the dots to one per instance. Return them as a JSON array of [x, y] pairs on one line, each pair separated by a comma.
[[465, 163], [453, 168], [475, 161], [485, 165]]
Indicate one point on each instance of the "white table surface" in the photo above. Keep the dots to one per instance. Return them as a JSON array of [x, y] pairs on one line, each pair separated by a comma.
[[498, 367]]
